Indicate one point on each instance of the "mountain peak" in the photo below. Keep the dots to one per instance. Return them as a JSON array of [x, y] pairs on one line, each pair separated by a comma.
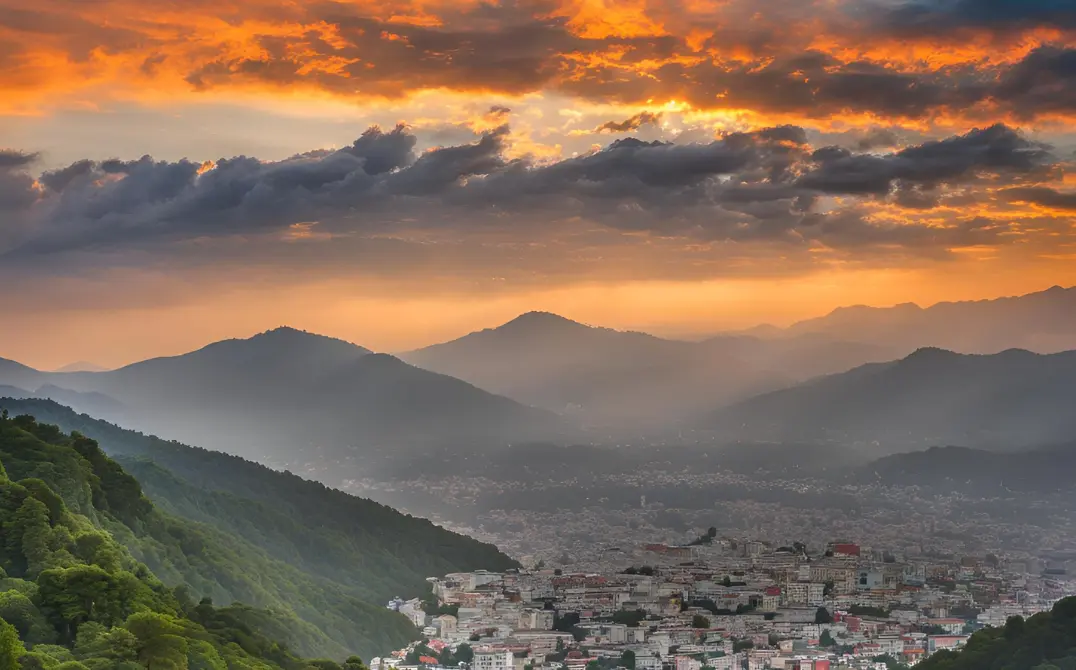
[[541, 319], [290, 335], [81, 366], [931, 354], [283, 331]]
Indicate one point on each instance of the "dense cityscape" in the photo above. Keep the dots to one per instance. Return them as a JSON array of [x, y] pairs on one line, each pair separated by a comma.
[[722, 603]]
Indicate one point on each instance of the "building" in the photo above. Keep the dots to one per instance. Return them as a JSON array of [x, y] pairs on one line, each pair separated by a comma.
[[531, 619], [490, 659], [951, 626], [687, 663], [939, 642], [803, 593], [446, 624]]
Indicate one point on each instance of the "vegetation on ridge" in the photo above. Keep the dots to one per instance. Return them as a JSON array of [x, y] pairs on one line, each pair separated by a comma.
[[73, 598], [373, 550]]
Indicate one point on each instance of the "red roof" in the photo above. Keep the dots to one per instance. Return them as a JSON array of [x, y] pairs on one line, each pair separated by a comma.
[[427, 660], [773, 590]]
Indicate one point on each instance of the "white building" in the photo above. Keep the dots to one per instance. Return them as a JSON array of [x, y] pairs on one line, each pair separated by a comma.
[[488, 659]]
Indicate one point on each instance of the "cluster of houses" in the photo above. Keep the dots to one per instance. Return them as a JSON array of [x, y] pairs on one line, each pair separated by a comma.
[[719, 605]]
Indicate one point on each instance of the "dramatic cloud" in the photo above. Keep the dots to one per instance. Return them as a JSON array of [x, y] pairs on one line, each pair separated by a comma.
[[997, 150], [767, 186], [15, 159], [633, 123], [942, 16], [1041, 195], [980, 60]]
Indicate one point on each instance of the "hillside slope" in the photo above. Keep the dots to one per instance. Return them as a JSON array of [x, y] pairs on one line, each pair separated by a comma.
[[1046, 640], [64, 502], [373, 550]]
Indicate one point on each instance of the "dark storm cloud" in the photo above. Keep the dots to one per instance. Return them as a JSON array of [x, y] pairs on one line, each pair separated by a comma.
[[58, 180], [1043, 82], [749, 60], [753, 186], [10, 159], [997, 150], [514, 51], [511, 54], [632, 123], [877, 138], [16, 187], [941, 16], [1041, 195], [382, 152]]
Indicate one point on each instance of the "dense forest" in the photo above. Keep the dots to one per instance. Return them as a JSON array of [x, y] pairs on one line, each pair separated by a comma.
[[1046, 641], [73, 598], [374, 551]]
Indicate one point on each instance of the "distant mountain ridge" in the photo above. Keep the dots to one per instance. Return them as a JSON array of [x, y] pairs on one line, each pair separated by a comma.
[[284, 392], [81, 366], [985, 473], [1012, 399], [605, 374], [1044, 322]]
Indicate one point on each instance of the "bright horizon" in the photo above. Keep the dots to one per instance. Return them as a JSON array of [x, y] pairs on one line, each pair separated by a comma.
[[604, 307], [402, 172]]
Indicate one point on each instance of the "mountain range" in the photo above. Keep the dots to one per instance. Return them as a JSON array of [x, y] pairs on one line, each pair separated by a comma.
[[285, 391], [286, 396], [630, 379], [978, 472], [1008, 400], [1044, 322]]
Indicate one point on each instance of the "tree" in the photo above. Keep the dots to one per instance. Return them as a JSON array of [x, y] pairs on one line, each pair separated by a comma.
[[712, 532], [19, 611], [627, 659], [699, 621], [1014, 627], [71, 596], [630, 618], [11, 649], [464, 653], [822, 615], [160, 643], [826, 640], [893, 664]]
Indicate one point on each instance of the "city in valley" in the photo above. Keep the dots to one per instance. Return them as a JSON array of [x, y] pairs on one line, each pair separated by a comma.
[[725, 603]]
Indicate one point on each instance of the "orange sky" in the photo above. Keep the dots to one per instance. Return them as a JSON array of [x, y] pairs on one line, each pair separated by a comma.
[[502, 193]]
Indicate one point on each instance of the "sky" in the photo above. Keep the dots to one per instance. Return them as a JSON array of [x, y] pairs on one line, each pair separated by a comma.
[[399, 172]]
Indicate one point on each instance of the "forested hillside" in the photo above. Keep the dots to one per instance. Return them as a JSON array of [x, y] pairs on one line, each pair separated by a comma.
[[370, 550], [1045, 641], [73, 598]]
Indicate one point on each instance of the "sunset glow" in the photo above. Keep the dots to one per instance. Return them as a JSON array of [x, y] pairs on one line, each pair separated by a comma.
[[684, 166]]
